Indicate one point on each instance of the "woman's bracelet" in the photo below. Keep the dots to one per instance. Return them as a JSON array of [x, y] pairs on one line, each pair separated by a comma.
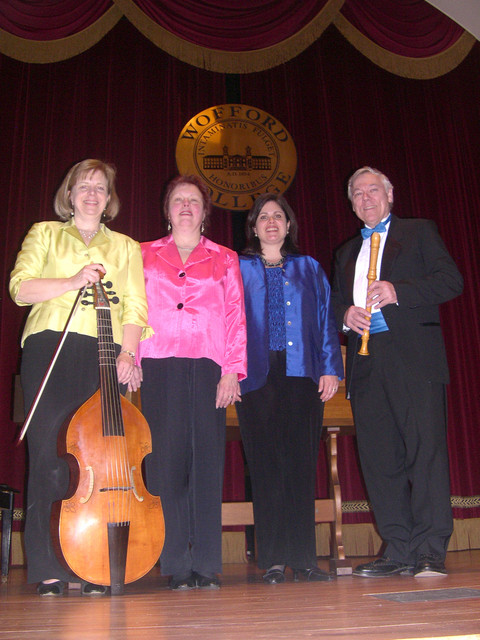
[[130, 353]]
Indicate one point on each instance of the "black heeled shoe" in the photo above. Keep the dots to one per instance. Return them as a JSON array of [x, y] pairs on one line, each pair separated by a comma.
[[206, 582], [182, 583], [90, 589], [51, 588], [314, 574], [274, 575]]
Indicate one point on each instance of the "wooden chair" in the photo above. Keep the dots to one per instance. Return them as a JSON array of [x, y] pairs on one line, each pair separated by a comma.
[[7, 495]]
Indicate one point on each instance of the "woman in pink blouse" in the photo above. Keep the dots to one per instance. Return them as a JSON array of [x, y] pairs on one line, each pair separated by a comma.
[[191, 368]]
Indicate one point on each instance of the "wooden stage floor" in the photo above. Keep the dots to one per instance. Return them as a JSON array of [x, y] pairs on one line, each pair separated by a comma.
[[244, 608]]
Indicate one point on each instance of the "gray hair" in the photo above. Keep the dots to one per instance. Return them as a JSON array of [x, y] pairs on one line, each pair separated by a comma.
[[386, 182]]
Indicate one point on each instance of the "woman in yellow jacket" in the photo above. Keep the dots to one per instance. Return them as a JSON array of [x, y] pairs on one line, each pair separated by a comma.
[[55, 261]]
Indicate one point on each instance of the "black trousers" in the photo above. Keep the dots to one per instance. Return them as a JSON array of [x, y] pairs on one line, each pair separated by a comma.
[[73, 380], [400, 423], [186, 465], [281, 429]]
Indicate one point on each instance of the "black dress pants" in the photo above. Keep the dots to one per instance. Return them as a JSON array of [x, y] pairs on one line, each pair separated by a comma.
[[186, 465], [400, 421], [73, 380], [281, 429]]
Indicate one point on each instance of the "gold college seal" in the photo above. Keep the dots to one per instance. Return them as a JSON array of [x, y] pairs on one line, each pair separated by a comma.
[[239, 152]]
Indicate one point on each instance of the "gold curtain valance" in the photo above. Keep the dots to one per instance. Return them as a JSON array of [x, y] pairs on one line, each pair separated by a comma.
[[415, 68], [34, 51], [226, 61], [45, 52]]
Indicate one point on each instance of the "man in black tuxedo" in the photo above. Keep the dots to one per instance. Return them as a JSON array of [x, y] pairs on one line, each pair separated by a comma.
[[398, 391]]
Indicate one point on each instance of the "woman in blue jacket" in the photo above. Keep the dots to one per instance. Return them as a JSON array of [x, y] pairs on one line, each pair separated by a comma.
[[294, 365]]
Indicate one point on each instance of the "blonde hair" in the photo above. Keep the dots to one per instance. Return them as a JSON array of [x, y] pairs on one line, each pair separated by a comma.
[[62, 203]]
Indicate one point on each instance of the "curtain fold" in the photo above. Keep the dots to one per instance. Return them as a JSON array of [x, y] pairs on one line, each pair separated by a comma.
[[420, 68], [410, 28], [243, 25], [50, 20], [223, 59], [406, 37], [55, 50]]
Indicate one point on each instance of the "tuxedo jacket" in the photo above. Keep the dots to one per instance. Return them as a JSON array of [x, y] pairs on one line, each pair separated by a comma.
[[417, 263]]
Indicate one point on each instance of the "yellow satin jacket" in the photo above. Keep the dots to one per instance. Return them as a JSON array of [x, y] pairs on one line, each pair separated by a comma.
[[56, 250]]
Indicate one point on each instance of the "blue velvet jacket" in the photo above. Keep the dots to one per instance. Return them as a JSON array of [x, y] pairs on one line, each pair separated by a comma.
[[312, 347]]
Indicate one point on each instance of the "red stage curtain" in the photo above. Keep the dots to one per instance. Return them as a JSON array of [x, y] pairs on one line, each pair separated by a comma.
[[242, 25], [48, 19], [262, 34], [408, 28], [420, 134], [126, 101]]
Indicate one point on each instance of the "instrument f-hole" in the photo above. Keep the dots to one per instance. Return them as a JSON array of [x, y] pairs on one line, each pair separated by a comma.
[[90, 485], [134, 489]]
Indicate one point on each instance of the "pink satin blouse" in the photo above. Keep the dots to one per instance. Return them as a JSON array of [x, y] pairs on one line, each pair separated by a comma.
[[196, 309]]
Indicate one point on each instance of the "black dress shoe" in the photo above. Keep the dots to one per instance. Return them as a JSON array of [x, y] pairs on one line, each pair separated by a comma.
[[382, 568], [182, 583], [429, 566], [90, 589], [206, 582], [50, 588], [314, 574], [274, 576]]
